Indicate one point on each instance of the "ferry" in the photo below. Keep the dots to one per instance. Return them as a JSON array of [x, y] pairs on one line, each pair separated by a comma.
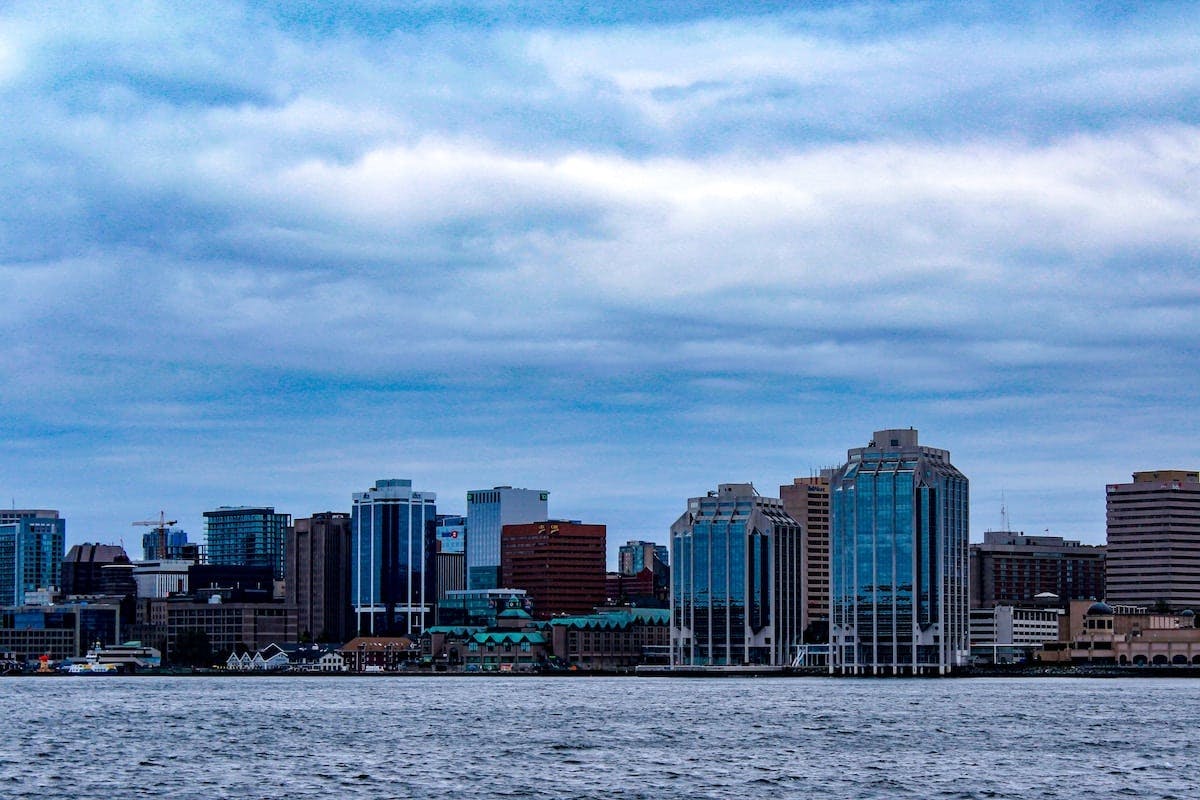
[[116, 659]]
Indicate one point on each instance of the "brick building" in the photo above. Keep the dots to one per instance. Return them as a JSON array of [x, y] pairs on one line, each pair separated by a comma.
[[559, 563]]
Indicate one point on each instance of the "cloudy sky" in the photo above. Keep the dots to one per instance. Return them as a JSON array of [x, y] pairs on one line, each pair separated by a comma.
[[256, 255]]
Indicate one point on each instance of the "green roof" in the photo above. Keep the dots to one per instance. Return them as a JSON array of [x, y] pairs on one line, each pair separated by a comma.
[[455, 630], [619, 619], [516, 637], [513, 613]]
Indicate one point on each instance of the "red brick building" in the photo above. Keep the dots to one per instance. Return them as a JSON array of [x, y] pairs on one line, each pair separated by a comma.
[[559, 563]]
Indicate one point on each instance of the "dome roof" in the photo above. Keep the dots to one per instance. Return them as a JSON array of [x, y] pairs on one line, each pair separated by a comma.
[[1100, 609]]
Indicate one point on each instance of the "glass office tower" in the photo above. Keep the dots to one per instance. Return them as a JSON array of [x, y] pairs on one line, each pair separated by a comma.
[[388, 579], [32, 544], [899, 560], [247, 536], [488, 511], [736, 566]]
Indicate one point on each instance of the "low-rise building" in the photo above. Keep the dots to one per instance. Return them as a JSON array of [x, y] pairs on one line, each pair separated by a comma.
[[1011, 634], [1124, 635], [617, 639], [64, 630], [379, 653]]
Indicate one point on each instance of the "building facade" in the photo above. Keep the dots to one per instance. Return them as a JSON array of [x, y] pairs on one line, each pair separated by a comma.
[[445, 552], [1012, 569], [318, 570], [247, 536], [637, 557], [32, 544], [175, 540], [97, 569], [1153, 553], [65, 630], [898, 556], [488, 511], [736, 567], [390, 593], [807, 501], [559, 563]]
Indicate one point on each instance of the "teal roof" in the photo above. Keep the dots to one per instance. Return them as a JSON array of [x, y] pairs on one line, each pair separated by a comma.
[[516, 637], [513, 613], [619, 619], [455, 630]]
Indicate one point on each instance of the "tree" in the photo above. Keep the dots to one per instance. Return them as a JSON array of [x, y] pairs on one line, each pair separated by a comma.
[[193, 648]]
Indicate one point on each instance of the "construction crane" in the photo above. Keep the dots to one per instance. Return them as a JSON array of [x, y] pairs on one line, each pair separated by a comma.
[[160, 526]]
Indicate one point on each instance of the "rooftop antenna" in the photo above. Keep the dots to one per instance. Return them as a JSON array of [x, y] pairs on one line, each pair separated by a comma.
[[1004, 513]]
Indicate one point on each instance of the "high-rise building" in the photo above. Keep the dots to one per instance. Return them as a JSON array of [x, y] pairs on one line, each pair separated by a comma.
[[318, 576], [97, 569], [389, 591], [445, 554], [488, 511], [176, 541], [636, 557], [1013, 569], [807, 501], [559, 563], [898, 559], [247, 536], [736, 567], [1153, 554], [32, 544]]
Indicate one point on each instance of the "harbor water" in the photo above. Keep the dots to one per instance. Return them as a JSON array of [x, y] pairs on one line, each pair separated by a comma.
[[530, 737]]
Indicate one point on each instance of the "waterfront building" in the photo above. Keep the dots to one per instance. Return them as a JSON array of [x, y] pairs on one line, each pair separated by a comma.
[[898, 559], [488, 511], [250, 536], [64, 630], [390, 593], [1010, 634], [1153, 554], [97, 569], [318, 570], [379, 653], [559, 563], [224, 626], [32, 544], [1124, 635], [612, 639], [736, 569], [1010, 568], [806, 500]]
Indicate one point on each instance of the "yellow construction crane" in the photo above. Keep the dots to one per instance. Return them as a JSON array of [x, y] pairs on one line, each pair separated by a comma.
[[160, 526]]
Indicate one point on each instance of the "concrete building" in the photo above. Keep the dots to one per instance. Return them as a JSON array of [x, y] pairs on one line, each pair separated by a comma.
[[1126, 636], [1010, 634], [1153, 554], [159, 579], [559, 563], [227, 626], [613, 639], [318, 570], [390, 593], [1010, 568], [807, 501], [32, 544], [736, 568], [445, 553], [636, 557], [488, 511], [248, 536], [64, 630], [898, 559]]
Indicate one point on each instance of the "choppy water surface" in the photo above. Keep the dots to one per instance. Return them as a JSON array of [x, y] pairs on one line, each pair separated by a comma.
[[451, 737]]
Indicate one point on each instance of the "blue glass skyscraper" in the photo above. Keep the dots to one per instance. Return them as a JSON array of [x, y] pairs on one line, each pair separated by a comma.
[[899, 559], [390, 593], [736, 567], [488, 511], [32, 544]]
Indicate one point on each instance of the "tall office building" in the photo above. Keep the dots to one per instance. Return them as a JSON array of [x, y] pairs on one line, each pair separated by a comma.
[[636, 557], [445, 554], [1009, 568], [488, 511], [176, 541], [389, 590], [97, 569], [898, 559], [32, 544], [318, 576], [736, 567], [247, 536], [807, 501], [559, 563], [1153, 553]]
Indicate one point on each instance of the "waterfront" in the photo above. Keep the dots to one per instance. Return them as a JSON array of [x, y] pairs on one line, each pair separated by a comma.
[[596, 738]]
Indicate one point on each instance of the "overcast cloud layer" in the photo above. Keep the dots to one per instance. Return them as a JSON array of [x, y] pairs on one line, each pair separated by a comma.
[[255, 256]]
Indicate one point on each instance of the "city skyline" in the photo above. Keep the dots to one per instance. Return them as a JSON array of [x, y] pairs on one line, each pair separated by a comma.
[[261, 255]]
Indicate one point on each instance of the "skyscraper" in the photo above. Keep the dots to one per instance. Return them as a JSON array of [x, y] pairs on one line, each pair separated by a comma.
[[636, 557], [559, 563], [247, 536], [389, 590], [807, 501], [488, 511], [318, 576], [736, 565], [898, 559], [32, 544], [1153, 553]]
